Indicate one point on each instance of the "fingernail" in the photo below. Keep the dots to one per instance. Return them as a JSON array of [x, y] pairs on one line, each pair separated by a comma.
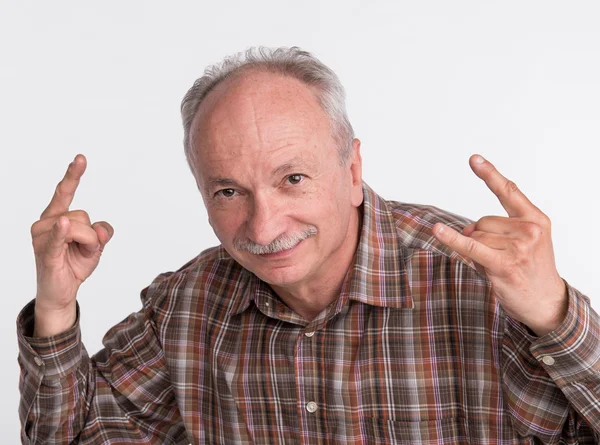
[[478, 159], [440, 229]]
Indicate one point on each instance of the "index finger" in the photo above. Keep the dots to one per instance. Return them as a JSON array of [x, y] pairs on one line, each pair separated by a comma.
[[65, 190], [512, 199]]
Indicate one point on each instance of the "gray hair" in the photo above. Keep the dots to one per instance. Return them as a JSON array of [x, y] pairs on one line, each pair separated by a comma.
[[292, 62]]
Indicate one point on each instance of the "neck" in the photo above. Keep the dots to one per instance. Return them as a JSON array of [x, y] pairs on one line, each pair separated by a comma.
[[308, 299]]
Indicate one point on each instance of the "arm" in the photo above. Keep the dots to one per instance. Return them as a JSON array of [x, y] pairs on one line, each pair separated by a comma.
[[552, 383], [122, 394]]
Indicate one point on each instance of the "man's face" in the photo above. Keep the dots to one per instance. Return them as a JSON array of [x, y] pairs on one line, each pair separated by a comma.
[[277, 195]]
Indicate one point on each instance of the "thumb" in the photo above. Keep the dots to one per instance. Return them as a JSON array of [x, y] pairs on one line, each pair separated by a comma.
[[57, 238], [104, 231]]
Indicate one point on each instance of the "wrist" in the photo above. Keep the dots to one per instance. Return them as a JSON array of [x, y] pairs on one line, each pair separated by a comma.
[[49, 322], [556, 314]]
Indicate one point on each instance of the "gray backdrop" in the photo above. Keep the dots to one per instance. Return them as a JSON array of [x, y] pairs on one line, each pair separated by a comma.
[[428, 83]]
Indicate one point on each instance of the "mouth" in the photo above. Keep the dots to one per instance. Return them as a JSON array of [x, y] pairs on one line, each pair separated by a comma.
[[281, 254]]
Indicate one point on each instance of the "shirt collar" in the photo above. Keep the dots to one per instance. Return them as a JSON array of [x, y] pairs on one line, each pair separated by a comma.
[[378, 276]]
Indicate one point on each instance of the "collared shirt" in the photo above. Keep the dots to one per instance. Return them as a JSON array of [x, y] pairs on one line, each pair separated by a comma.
[[416, 350]]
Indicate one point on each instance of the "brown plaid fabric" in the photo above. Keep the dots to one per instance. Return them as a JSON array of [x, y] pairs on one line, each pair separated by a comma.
[[416, 350]]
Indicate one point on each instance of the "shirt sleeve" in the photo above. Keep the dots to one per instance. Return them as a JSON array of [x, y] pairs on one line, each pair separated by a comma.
[[552, 383], [122, 394]]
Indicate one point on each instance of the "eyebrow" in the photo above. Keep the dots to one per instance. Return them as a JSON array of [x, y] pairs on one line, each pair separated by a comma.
[[296, 164], [284, 169], [291, 166], [220, 182]]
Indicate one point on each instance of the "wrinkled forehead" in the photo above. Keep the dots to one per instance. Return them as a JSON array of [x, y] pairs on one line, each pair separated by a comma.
[[257, 105]]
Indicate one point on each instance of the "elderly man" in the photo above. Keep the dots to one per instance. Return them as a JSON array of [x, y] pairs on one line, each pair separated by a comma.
[[327, 314]]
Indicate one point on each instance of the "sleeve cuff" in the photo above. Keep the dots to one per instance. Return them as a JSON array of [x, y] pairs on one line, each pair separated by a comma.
[[571, 353], [48, 357]]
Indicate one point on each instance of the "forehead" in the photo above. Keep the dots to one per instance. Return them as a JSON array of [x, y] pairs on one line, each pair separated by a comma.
[[256, 109]]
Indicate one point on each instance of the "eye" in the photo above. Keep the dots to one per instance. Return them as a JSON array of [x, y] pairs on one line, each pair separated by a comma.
[[226, 193], [295, 179]]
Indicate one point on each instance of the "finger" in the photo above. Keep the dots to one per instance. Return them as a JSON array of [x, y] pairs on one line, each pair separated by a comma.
[[79, 215], [85, 236], [44, 225], [104, 231], [468, 229], [512, 199], [65, 190], [492, 240], [466, 246], [516, 228], [500, 225], [57, 239]]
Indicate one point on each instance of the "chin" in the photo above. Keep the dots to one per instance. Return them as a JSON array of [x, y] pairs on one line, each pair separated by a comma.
[[278, 276]]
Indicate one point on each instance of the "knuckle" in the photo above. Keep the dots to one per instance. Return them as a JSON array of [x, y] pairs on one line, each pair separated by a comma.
[[62, 190], [472, 247], [484, 222], [489, 168], [532, 230], [511, 187], [34, 228], [545, 221], [453, 236]]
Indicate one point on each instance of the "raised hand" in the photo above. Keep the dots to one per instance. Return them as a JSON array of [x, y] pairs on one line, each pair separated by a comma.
[[515, 253], [67, 249]]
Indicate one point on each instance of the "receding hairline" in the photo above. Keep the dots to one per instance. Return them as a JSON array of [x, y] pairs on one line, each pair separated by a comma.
[[244, 72], [211, 99]]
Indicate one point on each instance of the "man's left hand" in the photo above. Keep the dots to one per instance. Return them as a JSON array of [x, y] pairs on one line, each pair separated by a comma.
[[514, 252]]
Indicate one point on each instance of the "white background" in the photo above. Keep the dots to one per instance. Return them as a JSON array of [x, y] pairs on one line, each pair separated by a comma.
[[429, 83]]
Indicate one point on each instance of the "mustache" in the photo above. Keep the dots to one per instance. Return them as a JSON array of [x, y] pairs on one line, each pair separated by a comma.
[[283, 242]]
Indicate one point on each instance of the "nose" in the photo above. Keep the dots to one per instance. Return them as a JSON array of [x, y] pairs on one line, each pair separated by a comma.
[[264, 222]]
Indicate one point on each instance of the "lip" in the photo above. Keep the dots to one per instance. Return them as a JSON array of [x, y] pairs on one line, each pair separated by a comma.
[[281, 254]]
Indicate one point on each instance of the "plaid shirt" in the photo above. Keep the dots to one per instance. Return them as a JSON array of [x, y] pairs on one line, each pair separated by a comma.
[[416, 350]]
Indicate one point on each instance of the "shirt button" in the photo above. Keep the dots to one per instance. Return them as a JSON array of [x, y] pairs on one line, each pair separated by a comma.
[[311, 407], [38, 360], [548, 360], [309, 334], [267, 304]]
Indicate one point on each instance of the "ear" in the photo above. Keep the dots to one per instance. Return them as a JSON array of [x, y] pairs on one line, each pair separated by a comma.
[[355, 166]]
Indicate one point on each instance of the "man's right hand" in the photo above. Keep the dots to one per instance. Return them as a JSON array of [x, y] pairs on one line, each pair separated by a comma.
[[67, 249]]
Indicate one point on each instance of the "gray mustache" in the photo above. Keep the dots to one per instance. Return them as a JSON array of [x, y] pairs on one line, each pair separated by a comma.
[[284, 242]]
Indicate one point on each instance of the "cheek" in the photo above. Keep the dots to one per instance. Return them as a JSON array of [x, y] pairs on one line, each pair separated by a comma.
[[225, 224], [325, 205]]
